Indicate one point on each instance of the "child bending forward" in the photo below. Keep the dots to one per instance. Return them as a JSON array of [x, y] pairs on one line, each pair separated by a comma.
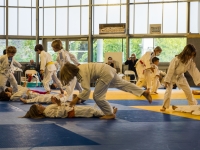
[[60, 110]]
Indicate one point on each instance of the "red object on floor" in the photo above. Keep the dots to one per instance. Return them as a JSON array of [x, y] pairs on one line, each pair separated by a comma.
[[29, 78], [39, 92]]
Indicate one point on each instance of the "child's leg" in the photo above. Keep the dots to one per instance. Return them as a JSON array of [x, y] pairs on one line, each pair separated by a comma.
[[99, 96], [46, 80], [13, 82], [57, 81], [4, 79], [87, 111], [167, 97], [188, 93]]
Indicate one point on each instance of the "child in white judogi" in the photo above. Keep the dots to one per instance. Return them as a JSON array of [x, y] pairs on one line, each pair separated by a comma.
[[192, 109], [105, 76], [63, 57], [175, 74], [47, 68], [7, 64], [144, 67], [46, 98], [61, 110], [156, 76]]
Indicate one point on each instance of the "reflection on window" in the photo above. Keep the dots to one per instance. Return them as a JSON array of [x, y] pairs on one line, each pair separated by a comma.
[[155, 14], [61, 21], [74, 2], [25, 49], [24, 3], [12, 3], [49, 21], [141, 18], [2, 24], [194, 15], [99, 1], [80, 50], [99, 17], [2, 46], [61, 3], [24, 21], [74, 21], [169, 18], [33, 21], [84, 20], [113, 18], [12, 21], [49, 2]]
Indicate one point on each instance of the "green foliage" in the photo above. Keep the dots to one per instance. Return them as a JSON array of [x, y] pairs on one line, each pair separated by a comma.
[[136, 47], [25, 49], [170, 47]]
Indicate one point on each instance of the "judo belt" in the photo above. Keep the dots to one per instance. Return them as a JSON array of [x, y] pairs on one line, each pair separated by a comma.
[[49, 63], [71, 114]]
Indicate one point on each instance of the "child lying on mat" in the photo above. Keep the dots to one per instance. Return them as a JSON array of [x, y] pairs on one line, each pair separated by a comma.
[[23, 91], [61, 110], [47, 98], [193, 109]]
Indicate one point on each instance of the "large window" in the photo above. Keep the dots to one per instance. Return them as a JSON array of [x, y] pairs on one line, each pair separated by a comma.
[[170, 46], [25, 49], [2, 46], [102, 46]]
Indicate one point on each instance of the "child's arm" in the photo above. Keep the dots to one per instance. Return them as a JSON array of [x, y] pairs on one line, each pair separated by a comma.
[[74, 101]]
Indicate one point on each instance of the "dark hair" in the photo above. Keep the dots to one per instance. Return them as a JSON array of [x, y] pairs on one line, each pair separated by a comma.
[[34, 113], [188, 50], [109, 57], [11, 49], [39, 47], [4, 96], [68, 72], [155, 59], [52, 86], [4, 51]]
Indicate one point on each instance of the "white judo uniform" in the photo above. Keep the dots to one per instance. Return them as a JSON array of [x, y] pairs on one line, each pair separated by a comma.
[[46, 98], [6, 72], [63, 57], [145, 74], [175, 74], [193, 109], [49, 70], [55, 111], [105, 77], [155, 79], [23, 93]]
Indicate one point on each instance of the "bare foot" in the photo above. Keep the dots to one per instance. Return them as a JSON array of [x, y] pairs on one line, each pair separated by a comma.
[[195, 92], [174, 107], [114, 110], [163, 109], [48, 92], [147, 95], [108, 117], [23, 100]]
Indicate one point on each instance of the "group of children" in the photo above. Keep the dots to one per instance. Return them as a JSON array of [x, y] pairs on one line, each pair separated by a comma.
[[72, 75], [148, 72], [87, 73]]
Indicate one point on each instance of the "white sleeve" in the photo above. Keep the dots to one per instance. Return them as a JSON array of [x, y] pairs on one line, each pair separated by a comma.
[[73, 59]]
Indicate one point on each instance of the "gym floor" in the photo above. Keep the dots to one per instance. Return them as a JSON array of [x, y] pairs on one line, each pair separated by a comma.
[[138, 126]]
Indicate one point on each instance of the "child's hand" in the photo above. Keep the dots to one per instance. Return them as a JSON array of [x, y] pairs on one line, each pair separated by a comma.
[[166, 84]]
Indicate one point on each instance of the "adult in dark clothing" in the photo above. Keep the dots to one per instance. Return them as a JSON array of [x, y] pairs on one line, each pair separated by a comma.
[[131, 61]]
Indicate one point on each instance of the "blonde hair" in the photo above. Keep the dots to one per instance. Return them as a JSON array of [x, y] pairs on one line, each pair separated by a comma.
[[68, 72], [11, 49], [57, 44], [34, 113], [188, 51]]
